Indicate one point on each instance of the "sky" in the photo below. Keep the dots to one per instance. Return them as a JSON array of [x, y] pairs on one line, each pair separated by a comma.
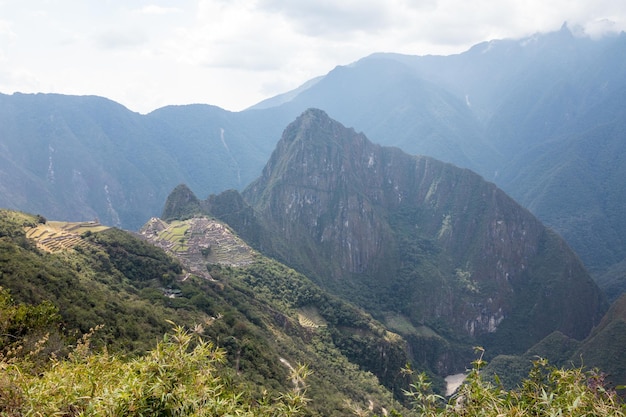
[[235, 53]]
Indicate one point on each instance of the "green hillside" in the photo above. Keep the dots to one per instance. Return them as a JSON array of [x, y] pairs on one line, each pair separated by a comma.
[[604, 349], [116, 326], [259, 314]]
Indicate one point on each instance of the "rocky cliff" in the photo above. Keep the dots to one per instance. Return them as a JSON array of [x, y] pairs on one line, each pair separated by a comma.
[[436, 252]]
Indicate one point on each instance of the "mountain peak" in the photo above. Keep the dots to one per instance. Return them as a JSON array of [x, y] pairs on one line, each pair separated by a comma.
[[315, 125], [310, 119], [314, 114], [181, 202], [434, 242], [311, 150]]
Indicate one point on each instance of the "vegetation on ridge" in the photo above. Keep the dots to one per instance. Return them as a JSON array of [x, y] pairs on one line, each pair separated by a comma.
[[545, 391], [132, 288]]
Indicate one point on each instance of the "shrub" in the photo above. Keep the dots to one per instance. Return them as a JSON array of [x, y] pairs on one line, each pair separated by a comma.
[[181, 376], [547, 391]]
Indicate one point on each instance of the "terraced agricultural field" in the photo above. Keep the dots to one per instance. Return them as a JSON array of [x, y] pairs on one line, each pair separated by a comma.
[[56, 236], [177, 235]]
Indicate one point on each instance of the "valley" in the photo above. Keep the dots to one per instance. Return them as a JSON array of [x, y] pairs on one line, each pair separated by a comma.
[[334, 205], [401, 219], [545, 123]]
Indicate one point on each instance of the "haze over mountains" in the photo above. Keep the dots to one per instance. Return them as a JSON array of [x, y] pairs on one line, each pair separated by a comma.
[[392, 246], [417, 240], [542, 117]]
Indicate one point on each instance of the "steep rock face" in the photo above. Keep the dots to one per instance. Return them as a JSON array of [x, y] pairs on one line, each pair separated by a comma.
[[315, 194], [414, 238], [181, 202]]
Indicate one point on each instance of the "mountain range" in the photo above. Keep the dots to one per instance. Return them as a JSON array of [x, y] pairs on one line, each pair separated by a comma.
[[432, 251], [542, 117], [423, 259]]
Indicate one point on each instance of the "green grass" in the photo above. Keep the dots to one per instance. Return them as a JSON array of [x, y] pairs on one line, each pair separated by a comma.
[[178, 236]]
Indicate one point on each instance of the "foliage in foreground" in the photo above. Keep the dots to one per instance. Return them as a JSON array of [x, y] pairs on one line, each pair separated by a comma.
[[547, 391], [182, 376], [185, 376]]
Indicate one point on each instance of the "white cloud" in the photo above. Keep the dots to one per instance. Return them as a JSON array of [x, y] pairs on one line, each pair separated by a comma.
[[153, 9], [232, 53], [6, 32], [232, 35], [330, 17], [601, 27], [119, 39], [7, 39]]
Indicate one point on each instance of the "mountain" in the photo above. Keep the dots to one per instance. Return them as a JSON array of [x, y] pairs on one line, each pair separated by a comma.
[[436, 253], [604, 349], [502, 97], [94, 275], [394, 105], [81, 158], [542, 117], [239, 325]]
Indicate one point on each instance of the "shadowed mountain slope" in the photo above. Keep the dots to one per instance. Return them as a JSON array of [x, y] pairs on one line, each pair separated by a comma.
[[604, 349], [80, 158], [414, 238]]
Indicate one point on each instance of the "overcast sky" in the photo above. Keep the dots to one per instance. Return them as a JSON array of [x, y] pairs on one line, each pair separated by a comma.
[[234, 53]]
